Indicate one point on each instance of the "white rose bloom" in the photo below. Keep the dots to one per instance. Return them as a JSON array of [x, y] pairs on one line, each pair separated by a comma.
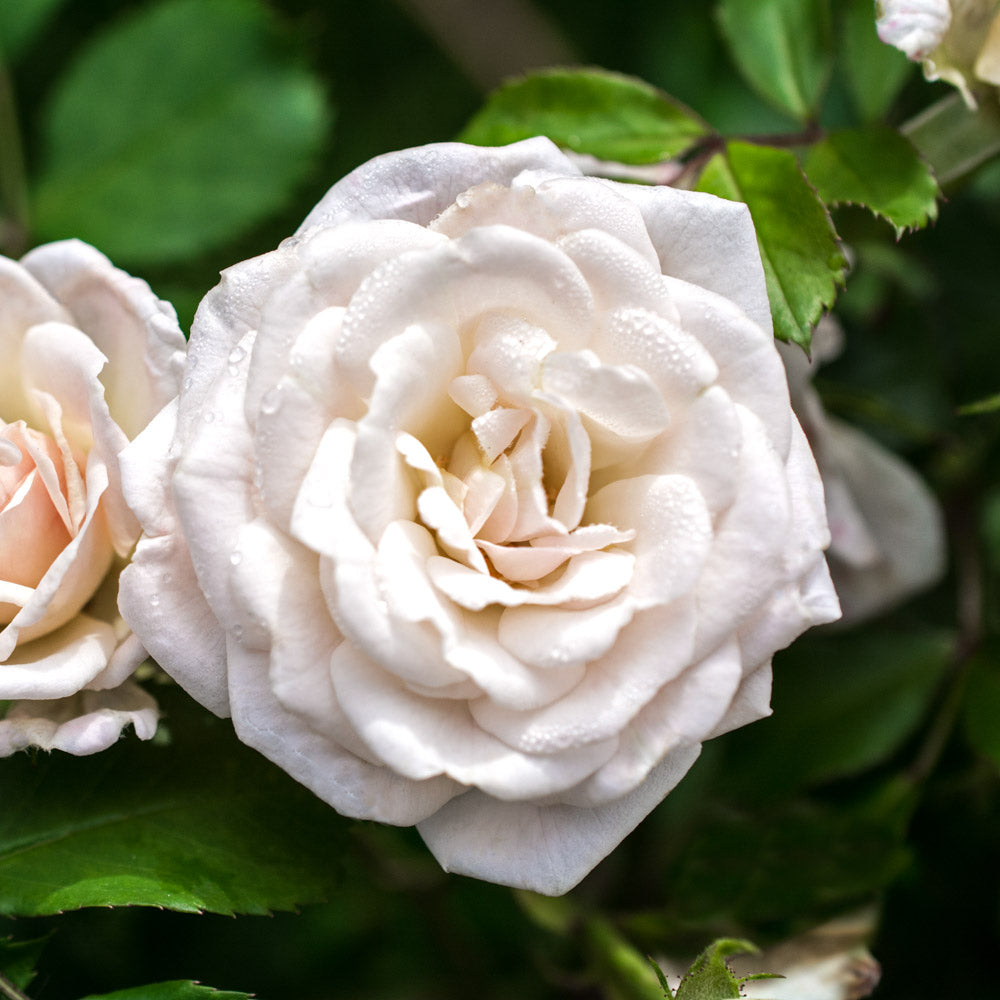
[[483, 504], [87, 356], [955, 40], [886, 527]]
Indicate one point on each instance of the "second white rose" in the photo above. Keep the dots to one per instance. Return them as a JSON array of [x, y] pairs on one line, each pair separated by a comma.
[[483, 504]]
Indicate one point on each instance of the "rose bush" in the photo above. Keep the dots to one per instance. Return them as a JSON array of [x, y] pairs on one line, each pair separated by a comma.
[[87, 356], [955, 40], [483, 504], [886, 527]]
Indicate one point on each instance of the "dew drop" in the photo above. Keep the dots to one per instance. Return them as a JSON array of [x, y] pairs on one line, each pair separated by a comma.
[[236, 355], [237, 632], [154, 601], [236, 558], [271, 402]]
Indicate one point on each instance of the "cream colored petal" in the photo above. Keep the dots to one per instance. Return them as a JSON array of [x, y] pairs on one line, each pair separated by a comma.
[[351, 785], [25, 304], [58, 664], [457, 283], [707, 241], [422, 737], [544, 848], [418, 184], [651, 650], [124, 320], [673, 533], [81, 724], [684, 713], [589, 578]]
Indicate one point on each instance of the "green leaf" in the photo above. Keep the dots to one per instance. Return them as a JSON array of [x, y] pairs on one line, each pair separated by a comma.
[[803, 263], [661, 979], [845, 701], [175, 990], [709, 978], [20, 23], [19, 958], [202, 823], [784, 48], [877, 168], [607, 115], [875, 72], [177, 129]]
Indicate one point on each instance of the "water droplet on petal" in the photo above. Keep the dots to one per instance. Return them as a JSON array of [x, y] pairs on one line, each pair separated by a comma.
[[271, 402]]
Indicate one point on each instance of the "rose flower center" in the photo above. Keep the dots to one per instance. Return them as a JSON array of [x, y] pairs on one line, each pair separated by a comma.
[[509, 499]]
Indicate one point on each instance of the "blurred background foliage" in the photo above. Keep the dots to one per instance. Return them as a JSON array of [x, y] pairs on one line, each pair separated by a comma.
[[183, 135]]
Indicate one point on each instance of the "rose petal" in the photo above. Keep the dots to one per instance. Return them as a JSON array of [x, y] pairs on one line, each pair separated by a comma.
[[58, 664], [460, 281], [82, 724], [417, 184], [124, 320], [213, 492], [676, 363], [421, 738], [750, 369], [545, 848], [61, 371], [589, 578], [547, 637], [651, 650], [25, 304], [898, 510], [673, 533], [705, 241], [703, 445], [351, 785], [684, 712]]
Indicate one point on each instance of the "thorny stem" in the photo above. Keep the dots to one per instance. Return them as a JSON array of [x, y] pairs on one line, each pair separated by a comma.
[[13, 187], [678, 172], [10, 991]]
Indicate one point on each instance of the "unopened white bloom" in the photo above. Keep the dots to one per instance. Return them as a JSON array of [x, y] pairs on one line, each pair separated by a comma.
[[483, 504], [829, 962], [955, 40], [886, 527], [87, 356]]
